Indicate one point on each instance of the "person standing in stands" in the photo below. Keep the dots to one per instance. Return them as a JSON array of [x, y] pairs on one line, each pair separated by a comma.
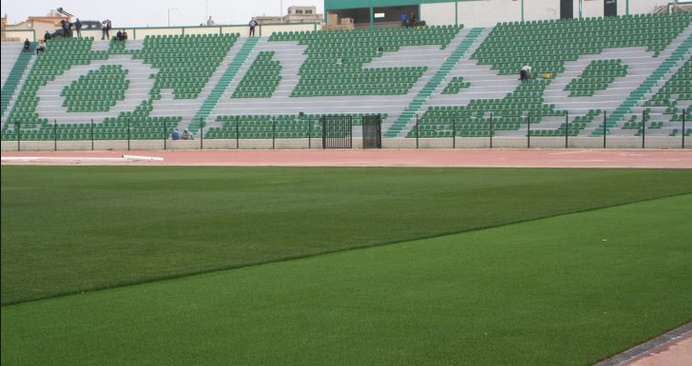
[[108, 28], [46, 36], [104, 29], [412, 19], [27, 45], [78, 28], [210, 22], [253, 24], [404, 19]]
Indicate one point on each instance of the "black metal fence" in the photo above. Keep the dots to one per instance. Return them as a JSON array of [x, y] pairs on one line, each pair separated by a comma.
[[457, 127], [336, 131], [93, 133]]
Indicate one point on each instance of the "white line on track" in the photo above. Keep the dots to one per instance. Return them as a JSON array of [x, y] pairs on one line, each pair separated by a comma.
[[142, 158], [77, 159]]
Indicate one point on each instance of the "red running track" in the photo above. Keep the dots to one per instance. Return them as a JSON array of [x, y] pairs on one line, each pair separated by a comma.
[[533, 158]]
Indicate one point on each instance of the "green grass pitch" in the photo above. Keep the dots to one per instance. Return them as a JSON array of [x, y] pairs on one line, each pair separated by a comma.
[[340, 266]]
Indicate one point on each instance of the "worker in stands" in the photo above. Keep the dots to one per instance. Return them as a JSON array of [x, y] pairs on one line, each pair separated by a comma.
[[525, 73]]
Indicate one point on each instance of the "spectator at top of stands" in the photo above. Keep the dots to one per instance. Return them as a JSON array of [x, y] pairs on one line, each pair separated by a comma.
[[121, 35], [78, 27], [27, 45], [41, 46], [46, 36], [412, 19], [404, 19], [210, 21], [106, 30], [252, 24], [65, 25]]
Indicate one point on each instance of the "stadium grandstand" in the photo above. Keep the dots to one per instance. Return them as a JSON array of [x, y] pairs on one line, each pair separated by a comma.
[[602, 70]]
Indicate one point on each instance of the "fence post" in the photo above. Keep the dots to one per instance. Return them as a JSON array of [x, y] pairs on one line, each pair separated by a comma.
[[491, 130], [309, 134], [567, 130], [684, 115], [55, 135], [454, 132], [237, 133], [18, 127], [643, 129], [165, 135], [273, 133], [201, 133], [92, 134], [528, 129], [417, 131], [129, 133], [605, 131], [323, 122]]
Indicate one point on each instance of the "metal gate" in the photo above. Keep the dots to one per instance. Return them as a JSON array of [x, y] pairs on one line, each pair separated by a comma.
[[337, 132], [610, 8], [567, 9], [372, 132]]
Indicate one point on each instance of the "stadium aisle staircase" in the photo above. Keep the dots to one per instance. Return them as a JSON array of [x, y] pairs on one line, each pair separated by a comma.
[[639, 94], [12, 83], [396, 128], [214, 97]]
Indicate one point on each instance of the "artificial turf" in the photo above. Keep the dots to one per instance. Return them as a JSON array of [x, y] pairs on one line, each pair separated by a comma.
[[72, 229], [566, 290]]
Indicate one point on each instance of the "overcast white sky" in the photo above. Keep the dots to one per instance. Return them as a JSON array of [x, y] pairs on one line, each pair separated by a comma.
[[142, 13]]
